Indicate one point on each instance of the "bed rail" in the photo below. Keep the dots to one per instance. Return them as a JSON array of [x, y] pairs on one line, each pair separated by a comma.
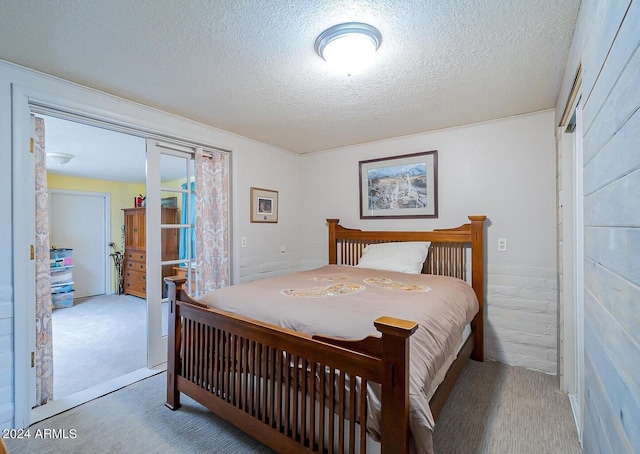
[[238, 368]]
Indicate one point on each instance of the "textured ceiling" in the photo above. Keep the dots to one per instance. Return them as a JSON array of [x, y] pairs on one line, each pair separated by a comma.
[[249, 66]]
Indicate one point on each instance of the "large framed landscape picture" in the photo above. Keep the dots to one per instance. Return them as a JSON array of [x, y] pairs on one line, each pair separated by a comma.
[[403, 186]]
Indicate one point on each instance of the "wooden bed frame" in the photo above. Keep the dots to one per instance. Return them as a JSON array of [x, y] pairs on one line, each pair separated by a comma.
[[270, 381]]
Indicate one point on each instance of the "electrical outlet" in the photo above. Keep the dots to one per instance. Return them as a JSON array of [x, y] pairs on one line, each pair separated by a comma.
[[502, 244], [243, 241]]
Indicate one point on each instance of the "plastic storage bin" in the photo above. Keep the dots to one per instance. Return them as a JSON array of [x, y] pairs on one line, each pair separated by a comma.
[[60, 257], [62, 300], [61, 276], [61, 271], [62, 288]]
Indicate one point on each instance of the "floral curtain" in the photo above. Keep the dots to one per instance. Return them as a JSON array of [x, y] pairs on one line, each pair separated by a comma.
[[44, 339], [212, 220]]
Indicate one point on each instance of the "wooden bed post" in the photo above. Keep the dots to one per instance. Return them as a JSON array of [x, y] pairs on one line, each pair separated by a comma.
[[174, 285], [395, 398], [477, 282], [333, 257]]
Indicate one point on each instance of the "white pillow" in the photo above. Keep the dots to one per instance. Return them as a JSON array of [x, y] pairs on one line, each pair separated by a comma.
[[405, 257]]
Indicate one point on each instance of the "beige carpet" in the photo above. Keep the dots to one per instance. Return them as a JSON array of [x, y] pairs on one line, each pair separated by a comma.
[[494, 409], [98, 339]]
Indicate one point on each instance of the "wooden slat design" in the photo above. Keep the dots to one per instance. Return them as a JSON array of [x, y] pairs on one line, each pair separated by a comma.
[[303, 400], [352, 406], [363, 413], [447, 259], [277, 390], [287, 395], [248, 375], [270, 381], [341, 415], [332, 410], [321, 405]]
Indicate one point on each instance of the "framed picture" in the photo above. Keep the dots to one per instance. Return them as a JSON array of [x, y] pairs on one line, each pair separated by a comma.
[[264, 205], [404, 186], [169, 202]]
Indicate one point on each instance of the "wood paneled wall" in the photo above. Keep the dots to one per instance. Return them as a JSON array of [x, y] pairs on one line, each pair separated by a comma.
[[607, 42]]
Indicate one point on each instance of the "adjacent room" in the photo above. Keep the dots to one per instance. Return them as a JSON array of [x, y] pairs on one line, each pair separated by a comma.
[[98, 328], [366, 226]]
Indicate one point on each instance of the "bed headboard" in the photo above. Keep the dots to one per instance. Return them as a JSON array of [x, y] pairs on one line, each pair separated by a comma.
[[449, 255]]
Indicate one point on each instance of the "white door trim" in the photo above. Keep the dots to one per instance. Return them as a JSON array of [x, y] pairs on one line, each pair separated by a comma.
[[577, 399], [571, 347], [566, 259], [24, 294]]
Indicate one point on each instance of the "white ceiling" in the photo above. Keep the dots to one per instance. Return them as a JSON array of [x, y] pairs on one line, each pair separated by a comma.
[[248, 66], [99, 154]]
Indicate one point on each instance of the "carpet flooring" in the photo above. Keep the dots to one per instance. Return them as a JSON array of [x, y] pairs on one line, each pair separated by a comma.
[[97, 339], [494, 409]]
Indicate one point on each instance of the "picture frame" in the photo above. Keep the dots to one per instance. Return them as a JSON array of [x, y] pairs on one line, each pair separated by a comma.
[[264, 205], [169, 202], [404, 186]]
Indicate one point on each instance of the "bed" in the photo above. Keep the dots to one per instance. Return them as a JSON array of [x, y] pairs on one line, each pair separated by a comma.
[[307, 387]]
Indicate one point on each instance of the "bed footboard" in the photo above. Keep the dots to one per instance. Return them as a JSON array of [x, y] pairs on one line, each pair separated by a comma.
[[291, 391]]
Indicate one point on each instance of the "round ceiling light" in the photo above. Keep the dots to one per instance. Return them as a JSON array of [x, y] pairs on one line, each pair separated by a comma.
[[350, 47], [59, 158]]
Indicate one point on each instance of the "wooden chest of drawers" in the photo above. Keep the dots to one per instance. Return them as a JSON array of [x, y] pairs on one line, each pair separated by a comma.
[[135, 255], [135, 273]]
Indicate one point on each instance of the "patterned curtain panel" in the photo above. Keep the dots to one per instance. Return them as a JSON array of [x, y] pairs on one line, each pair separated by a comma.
[[44, 341], [212, 221]]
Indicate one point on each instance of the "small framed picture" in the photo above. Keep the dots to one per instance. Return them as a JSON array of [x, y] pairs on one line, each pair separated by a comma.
[[264, 205], [169, 202]]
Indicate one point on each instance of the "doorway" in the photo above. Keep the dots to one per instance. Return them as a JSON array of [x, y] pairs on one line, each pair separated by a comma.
[[52, 98], [99, 338]]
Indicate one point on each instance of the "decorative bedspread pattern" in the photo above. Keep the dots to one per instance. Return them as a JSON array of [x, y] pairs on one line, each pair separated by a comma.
[[441, 306], [324, 292], [395, 285]]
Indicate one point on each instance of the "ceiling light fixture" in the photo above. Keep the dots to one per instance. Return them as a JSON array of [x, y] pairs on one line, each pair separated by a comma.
[[350, 47], [59, 158]]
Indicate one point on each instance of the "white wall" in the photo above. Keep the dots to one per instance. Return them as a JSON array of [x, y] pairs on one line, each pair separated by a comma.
[[253, 164], [276, 170], [504, 169]]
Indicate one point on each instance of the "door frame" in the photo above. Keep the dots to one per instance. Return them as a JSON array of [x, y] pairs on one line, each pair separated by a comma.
[[577, 398], [157, 342], [49, 95], [571, 334], [23, 216], [108, 276]]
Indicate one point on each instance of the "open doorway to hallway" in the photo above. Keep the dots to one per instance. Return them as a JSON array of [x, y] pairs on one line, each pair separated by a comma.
[[98, 336]]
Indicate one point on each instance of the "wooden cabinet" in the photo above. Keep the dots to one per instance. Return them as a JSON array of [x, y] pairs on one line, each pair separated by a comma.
[[180, 271], [135, 243]]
